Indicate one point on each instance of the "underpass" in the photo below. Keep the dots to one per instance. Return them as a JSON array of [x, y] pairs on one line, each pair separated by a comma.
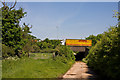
[[79, 47], [79, 70]]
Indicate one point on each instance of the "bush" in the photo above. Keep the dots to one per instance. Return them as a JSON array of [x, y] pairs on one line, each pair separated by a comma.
[[64, 54], [7, 51], [35, 49], [105, 55]]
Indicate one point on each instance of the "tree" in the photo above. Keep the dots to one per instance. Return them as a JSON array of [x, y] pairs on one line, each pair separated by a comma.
[[94, 38], [47, 40], [26, 39], [13, 35], [11, 31]]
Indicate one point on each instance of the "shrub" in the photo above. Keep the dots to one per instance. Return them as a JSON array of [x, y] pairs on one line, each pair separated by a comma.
[[105, 55], [35, 49], [7, 51], [64, 54]]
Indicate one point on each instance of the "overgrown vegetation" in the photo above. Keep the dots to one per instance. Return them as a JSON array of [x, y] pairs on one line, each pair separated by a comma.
[[64, 54], [104, 56]]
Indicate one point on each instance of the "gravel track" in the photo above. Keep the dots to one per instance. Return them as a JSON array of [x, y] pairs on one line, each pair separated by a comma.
[[79, 71]]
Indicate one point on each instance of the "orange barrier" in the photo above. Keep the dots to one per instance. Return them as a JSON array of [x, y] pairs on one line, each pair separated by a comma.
[[78, 42]]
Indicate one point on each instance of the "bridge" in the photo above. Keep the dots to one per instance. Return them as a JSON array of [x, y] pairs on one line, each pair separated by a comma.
[[79, 46]]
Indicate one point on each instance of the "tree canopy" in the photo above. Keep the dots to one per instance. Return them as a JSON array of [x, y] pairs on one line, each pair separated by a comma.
[[13, 35]]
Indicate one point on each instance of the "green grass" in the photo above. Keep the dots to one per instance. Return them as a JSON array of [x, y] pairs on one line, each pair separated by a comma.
[[41, 55], [34, 67]]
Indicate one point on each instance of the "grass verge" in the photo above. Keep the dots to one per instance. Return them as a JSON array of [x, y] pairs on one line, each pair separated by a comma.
[[33, 68]]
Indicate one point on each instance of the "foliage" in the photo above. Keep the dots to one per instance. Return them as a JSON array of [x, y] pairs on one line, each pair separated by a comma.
[[49, 44], [44, 45], [55, 43], [7, 51], [35, 48], [64, 54], [94, 38], [11, 31], [105, 55], [14, 36]]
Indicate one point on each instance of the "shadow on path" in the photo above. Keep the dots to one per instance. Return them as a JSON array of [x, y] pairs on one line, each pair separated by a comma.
[[79, 71]]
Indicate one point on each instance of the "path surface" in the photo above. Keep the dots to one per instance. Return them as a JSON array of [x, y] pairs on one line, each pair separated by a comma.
[[79, 71]]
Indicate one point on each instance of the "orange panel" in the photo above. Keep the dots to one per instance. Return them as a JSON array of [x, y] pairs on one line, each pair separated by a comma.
[[77, 42]]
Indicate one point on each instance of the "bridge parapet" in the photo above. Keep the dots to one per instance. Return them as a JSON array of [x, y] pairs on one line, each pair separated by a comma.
[[78, 44]]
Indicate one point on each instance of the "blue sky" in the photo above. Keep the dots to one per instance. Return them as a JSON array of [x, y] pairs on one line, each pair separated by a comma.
[[68, 20], [63, 0]]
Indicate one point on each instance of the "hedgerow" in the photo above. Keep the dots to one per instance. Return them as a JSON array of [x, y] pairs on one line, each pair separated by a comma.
[[104, 57], [64, 54]]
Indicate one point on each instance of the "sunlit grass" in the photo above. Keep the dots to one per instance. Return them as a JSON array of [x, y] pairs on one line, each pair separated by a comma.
[[33, 67]]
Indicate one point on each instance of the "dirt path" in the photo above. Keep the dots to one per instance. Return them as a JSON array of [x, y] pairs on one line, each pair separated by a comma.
[[80, 71]]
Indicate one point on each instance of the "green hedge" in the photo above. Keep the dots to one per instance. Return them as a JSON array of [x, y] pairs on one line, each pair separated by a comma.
[[104, 57], [64, 54]]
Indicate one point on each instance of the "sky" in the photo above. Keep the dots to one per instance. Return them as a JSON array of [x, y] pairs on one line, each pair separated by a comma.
[[62, 0], [68, 20]]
